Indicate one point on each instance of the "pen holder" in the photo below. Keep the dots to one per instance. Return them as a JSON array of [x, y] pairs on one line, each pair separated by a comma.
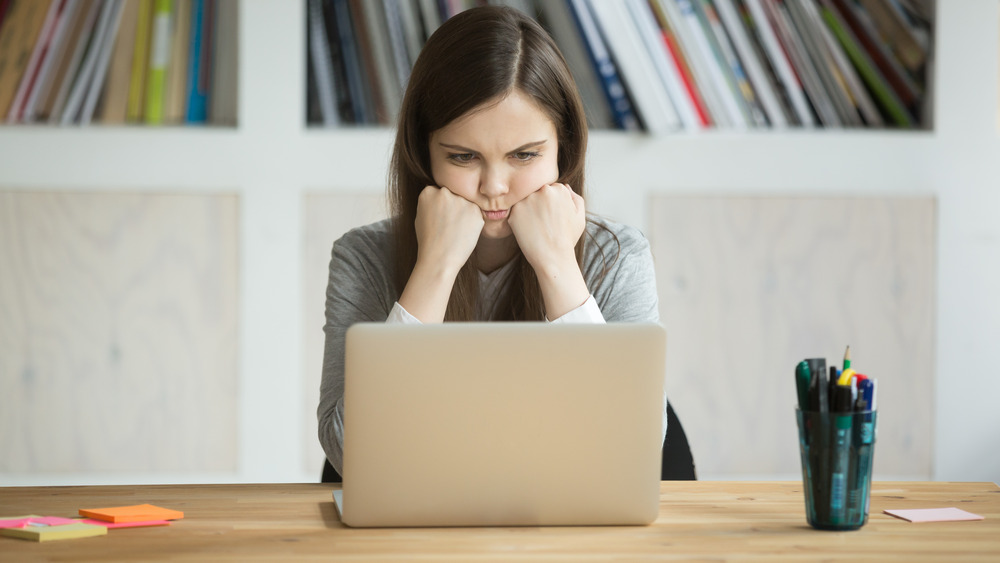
[[837, 451]]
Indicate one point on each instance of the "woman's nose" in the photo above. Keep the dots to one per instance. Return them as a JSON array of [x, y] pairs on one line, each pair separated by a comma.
[[493, 182]]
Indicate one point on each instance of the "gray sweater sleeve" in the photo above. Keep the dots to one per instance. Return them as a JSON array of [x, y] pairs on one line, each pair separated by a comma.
[[360, 289]]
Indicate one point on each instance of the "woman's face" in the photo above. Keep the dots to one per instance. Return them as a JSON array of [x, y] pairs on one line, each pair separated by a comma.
[[495, 156]]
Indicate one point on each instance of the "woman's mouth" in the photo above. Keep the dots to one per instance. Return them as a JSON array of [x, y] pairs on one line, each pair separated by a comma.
[[496, 215]]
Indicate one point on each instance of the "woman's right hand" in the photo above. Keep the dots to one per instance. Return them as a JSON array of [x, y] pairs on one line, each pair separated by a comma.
[[448, 228]]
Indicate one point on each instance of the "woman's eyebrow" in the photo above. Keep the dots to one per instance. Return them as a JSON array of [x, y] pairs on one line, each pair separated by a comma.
[[518, 149]]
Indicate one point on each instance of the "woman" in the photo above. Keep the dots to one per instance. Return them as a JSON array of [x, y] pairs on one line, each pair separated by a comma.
[[486, 191]]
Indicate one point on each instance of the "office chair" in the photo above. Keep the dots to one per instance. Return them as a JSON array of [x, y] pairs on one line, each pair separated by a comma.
[[678, 463]]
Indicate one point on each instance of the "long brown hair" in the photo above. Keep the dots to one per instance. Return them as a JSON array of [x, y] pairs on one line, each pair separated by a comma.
[[478, 56]]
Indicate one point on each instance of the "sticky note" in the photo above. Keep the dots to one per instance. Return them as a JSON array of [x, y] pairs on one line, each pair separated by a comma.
[[137, 513], [934, 515], [111, 525], [43, 532], [24, 521]]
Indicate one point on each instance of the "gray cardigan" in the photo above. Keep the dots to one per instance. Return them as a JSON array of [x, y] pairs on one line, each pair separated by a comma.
[[361, 289]]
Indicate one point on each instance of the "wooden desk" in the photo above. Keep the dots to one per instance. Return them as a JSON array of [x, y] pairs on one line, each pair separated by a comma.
[[746, 521]]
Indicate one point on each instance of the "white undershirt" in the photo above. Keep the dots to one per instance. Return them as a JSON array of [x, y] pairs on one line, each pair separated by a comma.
[[489, 288]]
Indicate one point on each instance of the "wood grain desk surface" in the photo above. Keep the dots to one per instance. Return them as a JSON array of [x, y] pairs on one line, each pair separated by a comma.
[[707, 520]]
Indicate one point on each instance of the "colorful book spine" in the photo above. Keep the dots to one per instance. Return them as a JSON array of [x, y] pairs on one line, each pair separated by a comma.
[[198, 72], [621, 107], [159, 58], [140, 60]]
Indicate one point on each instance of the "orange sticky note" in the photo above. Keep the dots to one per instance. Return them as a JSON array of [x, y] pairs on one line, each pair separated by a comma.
[[137, 513]]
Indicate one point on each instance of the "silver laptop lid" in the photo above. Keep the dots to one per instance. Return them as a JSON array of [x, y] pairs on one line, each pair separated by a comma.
[[476, 424]]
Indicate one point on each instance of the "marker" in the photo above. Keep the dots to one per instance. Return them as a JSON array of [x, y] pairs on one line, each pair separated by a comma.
[[843, 420], [802, 379]]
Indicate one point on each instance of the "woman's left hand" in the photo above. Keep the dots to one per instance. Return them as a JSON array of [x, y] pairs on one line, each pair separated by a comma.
[[548, 223]]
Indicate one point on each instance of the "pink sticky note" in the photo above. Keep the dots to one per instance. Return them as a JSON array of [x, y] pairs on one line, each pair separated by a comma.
[[29, 520], [934, 515]]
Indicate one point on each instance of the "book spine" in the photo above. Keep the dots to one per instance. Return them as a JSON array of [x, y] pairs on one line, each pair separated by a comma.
[[38, 53], [81, 84], [751, 63], [885, 96], [159, 59], [780, 61], [621, 107], [140, 59], [197, 83], [103, 60], [652, 37], [322, 67], [47, 68]]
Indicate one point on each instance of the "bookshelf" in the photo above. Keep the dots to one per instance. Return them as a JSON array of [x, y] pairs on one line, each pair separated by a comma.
[[272, 161]]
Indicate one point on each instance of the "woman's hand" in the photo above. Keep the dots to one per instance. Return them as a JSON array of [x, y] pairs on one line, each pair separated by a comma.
[[448, 228], [547, 225]]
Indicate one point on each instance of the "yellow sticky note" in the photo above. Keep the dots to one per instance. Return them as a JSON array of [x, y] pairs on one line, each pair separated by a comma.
[[60, 532], [137, 513]]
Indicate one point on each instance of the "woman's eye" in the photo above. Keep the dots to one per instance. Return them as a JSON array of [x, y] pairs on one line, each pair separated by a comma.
[[461, 157], [525, 156]]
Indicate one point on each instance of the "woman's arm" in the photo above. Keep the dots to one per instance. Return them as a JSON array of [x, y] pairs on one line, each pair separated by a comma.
[[360, 289]]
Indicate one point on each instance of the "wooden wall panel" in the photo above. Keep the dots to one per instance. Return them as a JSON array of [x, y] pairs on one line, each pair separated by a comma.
[[327, 217], [118, 324], [750, 286]]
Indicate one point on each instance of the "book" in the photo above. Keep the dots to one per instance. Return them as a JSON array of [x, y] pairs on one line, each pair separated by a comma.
[[321, 66], [430, 15], [29, 79], [49, 65], [397, 34], [381, 66], [175, 92], [908, 90], [665, 69], [802, 63], [224, 105], [762, 85], [81, 83], [656, 111], [614, 90], [140, 62], [558, 21], [678, 56], [159, 58], [345, 108], [102, 61], [114, 103], [725, 53], [199, 61], [895, 31], [22, 26], [355, 77], [845, 70], [715, 68], [779, 60], [887, 99], [817, 52]]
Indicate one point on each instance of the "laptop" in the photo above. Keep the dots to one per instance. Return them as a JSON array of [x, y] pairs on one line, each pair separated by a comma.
[[502, 424]]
